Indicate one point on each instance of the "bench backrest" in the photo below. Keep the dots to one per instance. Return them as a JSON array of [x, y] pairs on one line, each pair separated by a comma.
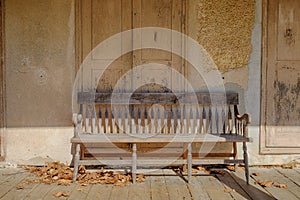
[[159, 113]]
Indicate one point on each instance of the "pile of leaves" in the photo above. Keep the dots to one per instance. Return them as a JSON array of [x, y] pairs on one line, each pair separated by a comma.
[[61, 174]]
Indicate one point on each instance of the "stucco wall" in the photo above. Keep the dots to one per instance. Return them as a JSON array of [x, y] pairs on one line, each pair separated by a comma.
[[39, 62], [40, 69]]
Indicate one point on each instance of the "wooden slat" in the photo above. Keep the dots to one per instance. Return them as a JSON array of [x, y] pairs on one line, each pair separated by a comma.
[[39, 192], [98, 191], [139, 191], [158, 138], [196, 189], [229, 183], [158, 187], [158, 98], [119, 193], [140, 162], [210, 187], [9, 182], [79, 192], [253, 190], [57, 188], [292, 191], [291, 174], [176, 186]]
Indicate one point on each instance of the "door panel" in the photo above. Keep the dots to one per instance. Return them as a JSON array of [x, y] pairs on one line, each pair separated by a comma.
[[167, 14], [281, 78], [101, 19], [288, 30], [2, 86]]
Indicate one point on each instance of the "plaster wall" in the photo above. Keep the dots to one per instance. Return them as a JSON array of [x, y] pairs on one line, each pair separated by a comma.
[[39, 46]]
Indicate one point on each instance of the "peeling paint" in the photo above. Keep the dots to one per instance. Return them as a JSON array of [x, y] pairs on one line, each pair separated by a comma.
[[287, 101]]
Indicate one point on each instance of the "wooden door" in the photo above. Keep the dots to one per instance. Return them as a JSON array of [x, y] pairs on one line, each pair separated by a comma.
[[281, 77], [97, 20], [100, 19], [2, 84], [168, 14]]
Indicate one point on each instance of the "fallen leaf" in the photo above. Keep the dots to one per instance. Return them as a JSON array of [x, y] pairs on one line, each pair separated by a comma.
[[81, 169], [227, 190], [59, 173], [231, 168], [219, 172], [240, 169], [280, 185], [140, 178], [119, 184], [255, 174], [287, 166], [194, 170], [20, 187], [60, 194], [265, 183], [203, 169], [212, 179]]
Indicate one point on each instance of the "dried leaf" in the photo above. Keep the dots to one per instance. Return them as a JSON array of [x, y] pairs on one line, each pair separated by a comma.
[[212, 179], [219, 172], [231, 168], [265, 183], [194, 170], [140, 178], [61, 174], [280, 185], [81, 170], [64, 182], [287, 166], [255, 174], [240, 169], [20, 187], [60, 194], [203, 169], [227, 190]]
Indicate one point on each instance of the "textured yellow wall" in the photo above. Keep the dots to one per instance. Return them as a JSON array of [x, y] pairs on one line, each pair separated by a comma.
[[224, 29]]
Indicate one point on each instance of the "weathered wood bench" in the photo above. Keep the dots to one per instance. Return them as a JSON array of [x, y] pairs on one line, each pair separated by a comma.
[[151, 119]]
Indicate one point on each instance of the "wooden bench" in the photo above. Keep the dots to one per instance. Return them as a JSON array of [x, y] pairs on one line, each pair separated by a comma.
[[130, 121]]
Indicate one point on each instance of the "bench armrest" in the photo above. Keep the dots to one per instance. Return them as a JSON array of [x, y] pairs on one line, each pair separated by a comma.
[[242, 122], [77, 121], [245, 117]]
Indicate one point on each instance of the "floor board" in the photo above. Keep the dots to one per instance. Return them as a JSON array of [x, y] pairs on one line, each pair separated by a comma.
[[270, 174], [253, 190], [161, 184]]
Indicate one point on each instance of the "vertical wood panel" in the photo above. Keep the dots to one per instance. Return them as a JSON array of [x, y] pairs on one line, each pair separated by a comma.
[[280, 110], [2, 81]]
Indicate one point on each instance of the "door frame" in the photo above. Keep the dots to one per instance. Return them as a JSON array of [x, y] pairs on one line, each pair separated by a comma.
[[264, 149], [2, 83]]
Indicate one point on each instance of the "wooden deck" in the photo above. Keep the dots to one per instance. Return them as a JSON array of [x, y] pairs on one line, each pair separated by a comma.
[[162, 184]]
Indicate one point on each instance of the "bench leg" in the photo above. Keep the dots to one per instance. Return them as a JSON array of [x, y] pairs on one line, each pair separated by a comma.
[[246, 162], [189, 162], [235, 155], [76, 162], [134, 163]]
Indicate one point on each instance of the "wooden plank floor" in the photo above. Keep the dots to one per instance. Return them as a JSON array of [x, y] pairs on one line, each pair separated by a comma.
[[162, 184]]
